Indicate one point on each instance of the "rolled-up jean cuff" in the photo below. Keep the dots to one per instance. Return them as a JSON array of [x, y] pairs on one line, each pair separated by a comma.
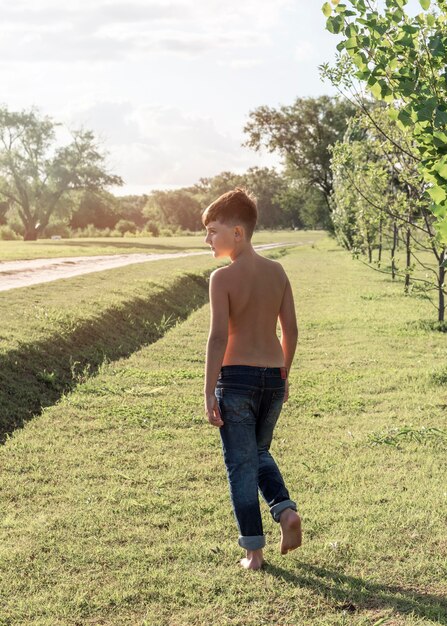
[[277, 509], [254, 542]]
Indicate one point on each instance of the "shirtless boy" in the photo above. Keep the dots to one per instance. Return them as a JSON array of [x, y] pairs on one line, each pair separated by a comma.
[[246, 372]]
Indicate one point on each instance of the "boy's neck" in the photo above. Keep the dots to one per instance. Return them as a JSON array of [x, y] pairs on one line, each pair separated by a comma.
[[243, 252]]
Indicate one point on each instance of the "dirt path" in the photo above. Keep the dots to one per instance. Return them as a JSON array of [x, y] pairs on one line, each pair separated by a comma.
[[15, 274]]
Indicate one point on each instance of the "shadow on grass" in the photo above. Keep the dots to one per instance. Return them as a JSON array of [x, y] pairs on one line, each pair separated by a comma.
[[352, 594], [121, 244], [37, 375]]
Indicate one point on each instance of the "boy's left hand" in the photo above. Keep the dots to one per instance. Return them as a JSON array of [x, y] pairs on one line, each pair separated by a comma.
[[212, 410]]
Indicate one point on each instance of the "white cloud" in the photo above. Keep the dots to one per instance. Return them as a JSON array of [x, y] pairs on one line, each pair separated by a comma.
[[109, 31], [304, 51], [153, 146], [241, 64]]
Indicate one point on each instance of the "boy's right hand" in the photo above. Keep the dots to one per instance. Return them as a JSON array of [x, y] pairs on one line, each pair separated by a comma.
[[212, 410]]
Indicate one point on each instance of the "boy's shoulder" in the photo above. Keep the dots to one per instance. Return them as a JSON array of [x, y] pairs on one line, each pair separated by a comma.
[[227, 273]]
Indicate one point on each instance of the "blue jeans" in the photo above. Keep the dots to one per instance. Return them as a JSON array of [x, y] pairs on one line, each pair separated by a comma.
[[250, 400]]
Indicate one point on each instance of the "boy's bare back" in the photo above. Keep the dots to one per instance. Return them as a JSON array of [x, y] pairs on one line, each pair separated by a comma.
[[259, 292]]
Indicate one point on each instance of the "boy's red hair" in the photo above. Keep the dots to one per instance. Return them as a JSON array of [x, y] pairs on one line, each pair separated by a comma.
[[233, 207]]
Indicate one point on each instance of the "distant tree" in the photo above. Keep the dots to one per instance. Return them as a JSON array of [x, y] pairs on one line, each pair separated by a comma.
[[208, 189], [175, 208], [36, 174], [303, 206], [265, 183], [132, 208], [301, 134], [126, 226], [4, 206], [99, 209]]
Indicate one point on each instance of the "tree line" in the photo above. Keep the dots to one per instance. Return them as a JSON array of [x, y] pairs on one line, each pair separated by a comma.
[[50, 189], [390, 171]]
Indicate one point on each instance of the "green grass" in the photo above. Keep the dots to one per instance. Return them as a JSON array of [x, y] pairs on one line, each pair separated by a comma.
[[54, 334], [114, 502], [48, 248]]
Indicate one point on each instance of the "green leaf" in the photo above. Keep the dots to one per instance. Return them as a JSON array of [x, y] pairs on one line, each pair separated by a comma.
[[327, 9], [440, 210], [393, 113], [441, 168], [360, 63], [405, 118], [439, 139], [351, 43], [426, 110], [376, 90], [441, 228], [425, 4], [334, 24], [441, 116], [437, 194]]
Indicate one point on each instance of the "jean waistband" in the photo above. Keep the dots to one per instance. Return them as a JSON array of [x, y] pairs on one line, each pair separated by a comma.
[[278, 372]]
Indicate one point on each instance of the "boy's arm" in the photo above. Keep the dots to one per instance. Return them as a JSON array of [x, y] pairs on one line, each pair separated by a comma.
[[289, 326], [218, 335]]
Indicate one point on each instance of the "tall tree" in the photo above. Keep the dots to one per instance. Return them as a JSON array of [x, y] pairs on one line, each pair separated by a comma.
[[36, 173], [301, 134]]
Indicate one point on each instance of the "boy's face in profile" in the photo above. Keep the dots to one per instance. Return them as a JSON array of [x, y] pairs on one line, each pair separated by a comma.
[[221, 238]]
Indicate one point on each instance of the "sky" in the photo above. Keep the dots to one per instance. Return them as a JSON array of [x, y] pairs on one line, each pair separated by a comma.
[[166, 86]]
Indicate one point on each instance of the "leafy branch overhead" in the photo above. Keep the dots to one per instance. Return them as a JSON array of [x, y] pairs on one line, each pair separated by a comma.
[[402, 60]]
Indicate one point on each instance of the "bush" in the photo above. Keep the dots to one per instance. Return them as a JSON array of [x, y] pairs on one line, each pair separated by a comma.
[[8, 234], [17, 226], [152, 227], [126, 226], [92, 231], [58, 228], [165, 232]]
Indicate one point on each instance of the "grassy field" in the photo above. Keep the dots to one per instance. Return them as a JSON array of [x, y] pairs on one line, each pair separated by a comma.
[[114, 502], [52, 332], [47, 248]]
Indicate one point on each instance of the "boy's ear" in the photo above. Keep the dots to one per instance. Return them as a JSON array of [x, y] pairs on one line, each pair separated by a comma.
[[239, 231]]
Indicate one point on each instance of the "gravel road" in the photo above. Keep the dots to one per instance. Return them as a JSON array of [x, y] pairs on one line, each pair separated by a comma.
[[15, 274]]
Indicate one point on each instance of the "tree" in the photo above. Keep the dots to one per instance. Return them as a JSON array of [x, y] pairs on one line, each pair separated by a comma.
[[36, 174], [379, 194], [301, 134], [95, 208], [265, 183], [402, 61], [175, 208]]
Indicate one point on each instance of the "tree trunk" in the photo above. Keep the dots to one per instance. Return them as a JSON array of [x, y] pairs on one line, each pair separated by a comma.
[[379, 257], [408, 249], [30, 232], [441, 285], [393, 250]]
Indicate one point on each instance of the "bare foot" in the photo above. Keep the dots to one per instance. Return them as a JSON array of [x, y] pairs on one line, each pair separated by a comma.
[[290, 523], [253, 560]]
